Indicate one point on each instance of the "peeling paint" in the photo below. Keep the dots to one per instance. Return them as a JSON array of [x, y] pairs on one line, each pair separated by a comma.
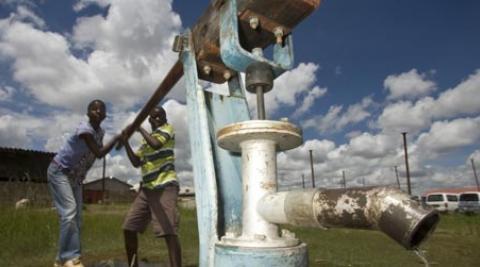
[[383, 208]]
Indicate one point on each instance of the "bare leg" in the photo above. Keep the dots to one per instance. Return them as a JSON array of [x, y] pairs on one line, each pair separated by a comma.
[[174, 250], [131, 247]]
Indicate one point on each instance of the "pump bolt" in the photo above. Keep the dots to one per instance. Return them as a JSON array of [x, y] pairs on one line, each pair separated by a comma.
[[254, 22], [278, 32], [207, 69], [227, 75]]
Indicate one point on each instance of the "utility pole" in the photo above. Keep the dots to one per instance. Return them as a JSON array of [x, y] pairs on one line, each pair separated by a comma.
[[396, 174], [103, 179], [344, 180], [406, 162], [475, 173], [303, 181], [311, 168]]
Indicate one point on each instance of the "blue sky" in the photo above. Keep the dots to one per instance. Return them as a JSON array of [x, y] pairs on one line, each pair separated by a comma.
[[365, 71]]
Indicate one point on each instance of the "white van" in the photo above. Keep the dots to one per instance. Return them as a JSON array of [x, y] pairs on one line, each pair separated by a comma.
[[469, 202], [442, 201]]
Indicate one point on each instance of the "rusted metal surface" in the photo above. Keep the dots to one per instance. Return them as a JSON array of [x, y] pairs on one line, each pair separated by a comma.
[[271, 13], [384, 208]]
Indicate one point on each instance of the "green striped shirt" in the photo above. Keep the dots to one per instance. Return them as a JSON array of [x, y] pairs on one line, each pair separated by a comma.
[[158, 167]]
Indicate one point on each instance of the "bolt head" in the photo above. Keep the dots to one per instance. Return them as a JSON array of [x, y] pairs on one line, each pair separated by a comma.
[[278, 32], [207, 69], [254, 22], [227, 75]]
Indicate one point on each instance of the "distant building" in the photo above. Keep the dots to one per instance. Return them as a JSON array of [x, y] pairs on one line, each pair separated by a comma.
[[24, 165], [23, 174], [109, 190]]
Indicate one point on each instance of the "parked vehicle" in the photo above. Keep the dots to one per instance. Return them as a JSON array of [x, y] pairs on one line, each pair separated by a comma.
[[446, 202], [469, 202]]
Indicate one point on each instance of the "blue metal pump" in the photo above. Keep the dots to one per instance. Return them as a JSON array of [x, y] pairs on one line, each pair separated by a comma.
[[234, 164]]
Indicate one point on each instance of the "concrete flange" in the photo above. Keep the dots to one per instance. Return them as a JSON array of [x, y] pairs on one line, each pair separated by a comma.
[[234, 256], [285, 134]]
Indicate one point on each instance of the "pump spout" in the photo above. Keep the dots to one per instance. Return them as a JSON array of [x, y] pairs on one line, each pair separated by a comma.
[[384, 208]]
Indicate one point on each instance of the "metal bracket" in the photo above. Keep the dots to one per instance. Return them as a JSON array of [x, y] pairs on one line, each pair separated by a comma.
[[237, 58], [180, 43]]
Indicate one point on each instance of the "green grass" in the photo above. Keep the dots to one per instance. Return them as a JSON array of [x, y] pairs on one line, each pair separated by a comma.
[[456, 242], [28, 238]]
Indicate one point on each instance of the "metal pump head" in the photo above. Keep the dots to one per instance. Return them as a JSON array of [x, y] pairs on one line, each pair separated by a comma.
[[259, 79]]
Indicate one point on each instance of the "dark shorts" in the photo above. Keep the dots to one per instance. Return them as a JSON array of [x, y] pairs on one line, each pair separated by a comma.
[[158, 206]]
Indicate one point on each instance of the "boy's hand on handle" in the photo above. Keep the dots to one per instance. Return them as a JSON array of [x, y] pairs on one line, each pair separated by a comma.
[[124, 136]]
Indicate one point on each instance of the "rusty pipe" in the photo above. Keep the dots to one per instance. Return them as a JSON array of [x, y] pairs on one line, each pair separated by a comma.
[[172, 77], [384, 208]]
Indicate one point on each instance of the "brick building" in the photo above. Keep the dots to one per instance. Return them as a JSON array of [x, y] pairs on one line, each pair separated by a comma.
[[109, 190]]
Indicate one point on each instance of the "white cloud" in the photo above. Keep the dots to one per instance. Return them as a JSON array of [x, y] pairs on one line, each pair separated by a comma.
[[56, 77], [82, 4], [130, 54], [353, 134], [6, 93], [408, 85], [25, 14], [11, 132], [445, 136], [25, 131], [335, 120], [475, 156], [309, 100], [416, 116], [405, 116], [320, 150], [367, 145], [461, 100]]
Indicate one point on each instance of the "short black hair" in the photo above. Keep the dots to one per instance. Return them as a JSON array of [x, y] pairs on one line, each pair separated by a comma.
[[162, 110], [94, 102]]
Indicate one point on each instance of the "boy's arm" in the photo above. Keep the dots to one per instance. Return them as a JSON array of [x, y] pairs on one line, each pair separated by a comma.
[[98, 151], [134, 159], [151, 141]]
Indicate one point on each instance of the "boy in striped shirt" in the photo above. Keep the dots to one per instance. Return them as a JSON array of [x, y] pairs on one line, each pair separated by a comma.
[[157, 199]]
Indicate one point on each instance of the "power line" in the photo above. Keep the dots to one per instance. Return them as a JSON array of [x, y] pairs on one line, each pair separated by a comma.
[[475, 173], [398, 180], [311, 168], [406, 162]]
